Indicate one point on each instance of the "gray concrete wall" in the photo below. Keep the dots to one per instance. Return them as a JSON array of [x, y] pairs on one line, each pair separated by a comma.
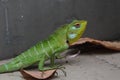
[[24, 22]]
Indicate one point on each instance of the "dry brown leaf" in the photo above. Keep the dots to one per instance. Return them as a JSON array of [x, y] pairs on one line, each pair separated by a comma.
[[37, 75], [106, 44]]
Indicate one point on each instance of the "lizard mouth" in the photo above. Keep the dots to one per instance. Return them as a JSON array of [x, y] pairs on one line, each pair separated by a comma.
[[69, 43]]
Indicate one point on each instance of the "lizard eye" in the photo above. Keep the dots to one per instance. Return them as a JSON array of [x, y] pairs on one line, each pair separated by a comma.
[[77, 25]]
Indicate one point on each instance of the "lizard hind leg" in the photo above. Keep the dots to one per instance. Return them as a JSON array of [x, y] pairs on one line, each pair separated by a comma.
[[15, 66], [10, 67]]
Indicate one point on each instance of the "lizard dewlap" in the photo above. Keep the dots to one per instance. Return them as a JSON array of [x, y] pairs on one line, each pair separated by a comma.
[[47, 49]]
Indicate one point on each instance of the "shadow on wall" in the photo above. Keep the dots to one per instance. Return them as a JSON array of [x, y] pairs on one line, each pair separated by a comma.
[[23, 23]]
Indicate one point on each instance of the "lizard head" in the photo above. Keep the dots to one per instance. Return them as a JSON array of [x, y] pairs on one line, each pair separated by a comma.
[[75, 30]]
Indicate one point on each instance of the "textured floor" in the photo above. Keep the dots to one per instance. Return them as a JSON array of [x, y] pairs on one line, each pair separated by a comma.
[[102, 66]]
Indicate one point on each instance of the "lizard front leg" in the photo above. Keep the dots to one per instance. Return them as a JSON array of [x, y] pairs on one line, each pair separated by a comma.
[[41, 66]]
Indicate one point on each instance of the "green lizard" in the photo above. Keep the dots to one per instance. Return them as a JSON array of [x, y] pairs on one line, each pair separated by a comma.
[[47, 49]]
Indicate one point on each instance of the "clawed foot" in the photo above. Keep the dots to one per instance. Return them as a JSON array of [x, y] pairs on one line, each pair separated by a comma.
[[60, 68]]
